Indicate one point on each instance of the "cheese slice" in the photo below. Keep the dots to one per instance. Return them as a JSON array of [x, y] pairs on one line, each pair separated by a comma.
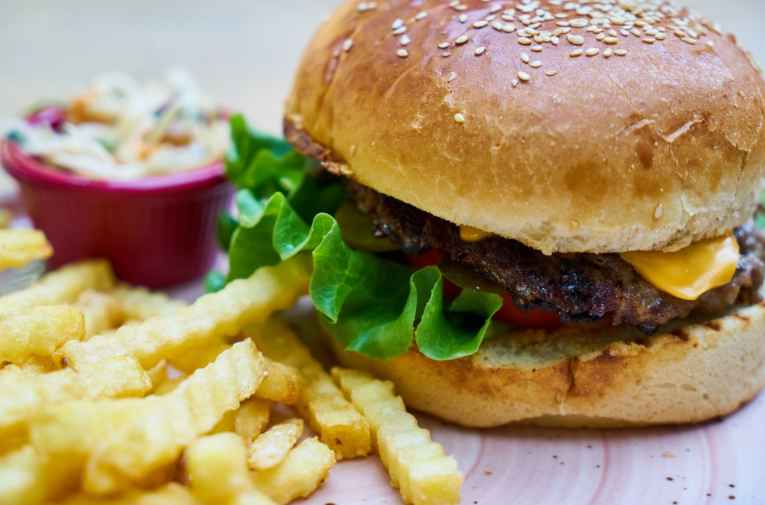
[[470, 234], [689, 273]]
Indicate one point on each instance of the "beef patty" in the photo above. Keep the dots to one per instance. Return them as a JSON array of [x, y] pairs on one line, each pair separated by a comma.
[[579, 287]]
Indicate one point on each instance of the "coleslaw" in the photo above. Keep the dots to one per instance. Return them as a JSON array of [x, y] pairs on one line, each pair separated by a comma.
[[122, 129]]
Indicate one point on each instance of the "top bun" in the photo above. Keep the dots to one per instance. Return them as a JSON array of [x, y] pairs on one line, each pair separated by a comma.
[[572, 127]]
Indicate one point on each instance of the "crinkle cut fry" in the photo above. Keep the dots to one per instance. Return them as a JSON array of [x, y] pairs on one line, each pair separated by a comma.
[[321, 403], [38, 332], [25, 392], [21, 246], [169, 494], [216, 466], [211, 317], [117, 443], [299, 474], [139, 304], [60, 287], [421, 470]]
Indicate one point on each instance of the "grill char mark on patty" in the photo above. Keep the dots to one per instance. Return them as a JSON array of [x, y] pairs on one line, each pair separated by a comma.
[[579, 287]]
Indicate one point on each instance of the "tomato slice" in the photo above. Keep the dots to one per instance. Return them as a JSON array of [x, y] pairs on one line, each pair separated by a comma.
[[509, 313], [426, 259], [527, 318], [434, 257]]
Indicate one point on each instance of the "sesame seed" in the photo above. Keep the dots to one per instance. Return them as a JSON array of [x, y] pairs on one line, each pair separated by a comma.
[[347, 45], [446, 54], [451, 76], [523, 76], [525, 32], [366, 6], [402, 53], [540, 22], [459, 117], [525, 58], [535, 64], [551, 73], [515, 83]]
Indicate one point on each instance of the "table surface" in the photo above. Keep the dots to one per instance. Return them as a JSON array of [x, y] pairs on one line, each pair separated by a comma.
[[244, 52]]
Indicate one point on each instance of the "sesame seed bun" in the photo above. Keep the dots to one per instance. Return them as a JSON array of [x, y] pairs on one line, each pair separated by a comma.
[[645, 133], [582, 379]]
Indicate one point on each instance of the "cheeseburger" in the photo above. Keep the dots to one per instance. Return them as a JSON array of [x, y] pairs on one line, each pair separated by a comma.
[[546, 210]]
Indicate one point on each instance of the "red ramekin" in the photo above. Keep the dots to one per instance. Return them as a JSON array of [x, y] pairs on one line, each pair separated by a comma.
[[156, 231]]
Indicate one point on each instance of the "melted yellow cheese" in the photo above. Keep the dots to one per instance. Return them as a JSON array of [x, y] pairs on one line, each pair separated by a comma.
[[470, 234], [690, 272]]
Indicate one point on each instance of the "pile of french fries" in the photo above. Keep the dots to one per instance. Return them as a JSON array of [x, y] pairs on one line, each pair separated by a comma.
[[111, 394]]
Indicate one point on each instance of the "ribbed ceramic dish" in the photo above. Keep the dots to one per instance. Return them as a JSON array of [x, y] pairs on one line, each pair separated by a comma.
[[157, 231]]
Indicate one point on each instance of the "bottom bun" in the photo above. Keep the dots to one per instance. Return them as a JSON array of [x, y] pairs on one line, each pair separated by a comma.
[[589, 378]]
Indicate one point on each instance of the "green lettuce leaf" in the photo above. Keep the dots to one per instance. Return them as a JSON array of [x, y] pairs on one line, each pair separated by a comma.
[[372, 305]]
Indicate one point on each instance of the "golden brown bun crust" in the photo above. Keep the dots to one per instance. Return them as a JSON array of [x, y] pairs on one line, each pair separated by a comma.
[[650, 150], [694, 374]]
